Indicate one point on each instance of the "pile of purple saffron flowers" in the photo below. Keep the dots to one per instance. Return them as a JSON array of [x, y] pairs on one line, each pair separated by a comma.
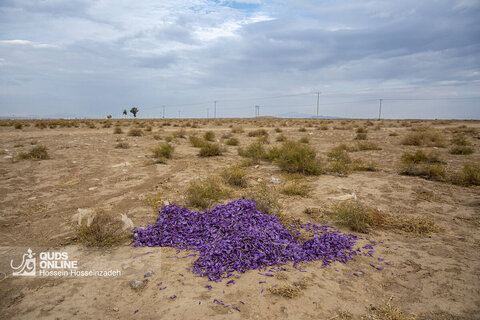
[[236, 237]]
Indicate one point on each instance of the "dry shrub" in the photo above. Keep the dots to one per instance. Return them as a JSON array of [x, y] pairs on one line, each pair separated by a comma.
[[35, 153], [18, 125], [232, 142], [423, 136], [278, 130], [296, 188], [468, 176], [163, 151], [281, 138], [258, 133], [135, 132], [117, 130], [289, 290], [358, 217], [388, 312], [266, 199], [304, 140], [104, 231], [209, 136], [361, 136], [417, 225], [235, 176], [210, 150], [204, 193], [122, 145], [460, 150], [196, 142], [237, 129], [426, 165], [302, 130], [367, 145], [393, 134]]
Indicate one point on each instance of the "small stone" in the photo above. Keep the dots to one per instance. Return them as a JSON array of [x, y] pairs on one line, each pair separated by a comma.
[[115, 309], [137, 284], [17, 295]]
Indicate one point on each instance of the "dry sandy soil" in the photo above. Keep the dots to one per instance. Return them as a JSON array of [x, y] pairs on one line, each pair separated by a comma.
[[434, 275]]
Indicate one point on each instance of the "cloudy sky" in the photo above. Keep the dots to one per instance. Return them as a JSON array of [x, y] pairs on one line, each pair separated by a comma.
[[91, 58]]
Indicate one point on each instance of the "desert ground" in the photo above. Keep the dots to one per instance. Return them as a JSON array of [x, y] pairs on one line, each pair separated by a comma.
[[425, 234]]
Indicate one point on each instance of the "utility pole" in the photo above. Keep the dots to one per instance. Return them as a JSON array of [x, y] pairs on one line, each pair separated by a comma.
[[163, 112], [215, 109], [380, 109], [257, 111], [178, 114], [318, 101]]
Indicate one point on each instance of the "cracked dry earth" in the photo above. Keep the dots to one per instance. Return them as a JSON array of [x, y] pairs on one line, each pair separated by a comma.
[[434, 276]]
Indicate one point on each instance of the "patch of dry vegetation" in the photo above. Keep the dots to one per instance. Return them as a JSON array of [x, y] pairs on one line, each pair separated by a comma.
[[424, 136], [420, 163], [35, 153], [104, 231], [235, 176], [204, 193]]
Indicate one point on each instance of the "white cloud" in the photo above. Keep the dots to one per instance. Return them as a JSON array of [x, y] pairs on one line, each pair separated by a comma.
[[26, 43]]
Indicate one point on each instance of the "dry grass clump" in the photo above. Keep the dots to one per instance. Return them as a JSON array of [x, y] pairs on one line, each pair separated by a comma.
[[340, 161], [367, 145], [289, 290], [423, 136], [232, 142], [281, 138], [237, 129], [468, 176], [393, 134], [210, 150], [18, 125], [304, 140], [196, 142], [258, 133], [163, 151], [235, 176], [460, 150], [302, 129], [104, 231], [296, 188], [35, 153], [427, 165], [122, 145], [416, 225], [278, 130], [135, 132], [361, 136], [117, 130], [358, 217], [266, 199], [209, 136], [181, 134], [204, 193], [388, 312]]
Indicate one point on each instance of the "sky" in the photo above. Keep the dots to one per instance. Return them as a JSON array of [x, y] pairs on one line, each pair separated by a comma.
[[93, 58]]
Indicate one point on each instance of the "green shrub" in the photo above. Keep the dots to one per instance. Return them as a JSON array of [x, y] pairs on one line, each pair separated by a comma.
[[163, 151], [210, 150], [296, 158], [255, 151]]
